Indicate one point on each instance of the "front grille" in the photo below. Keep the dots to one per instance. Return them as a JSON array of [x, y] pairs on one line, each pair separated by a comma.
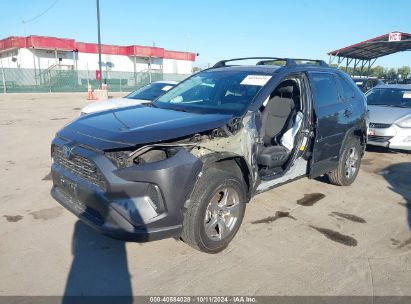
[[377, 125], [380, 139], [79, 166]]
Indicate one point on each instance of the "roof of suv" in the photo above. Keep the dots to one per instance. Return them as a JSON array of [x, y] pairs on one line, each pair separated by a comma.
[[267, 65], [270, 69]]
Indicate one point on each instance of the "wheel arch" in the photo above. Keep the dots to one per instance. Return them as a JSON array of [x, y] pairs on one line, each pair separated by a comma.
[[232, 163], [355, 132]]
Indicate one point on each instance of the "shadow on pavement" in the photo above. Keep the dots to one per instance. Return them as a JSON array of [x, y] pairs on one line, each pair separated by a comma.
[[99, 266], [399, 178], [378, 149]]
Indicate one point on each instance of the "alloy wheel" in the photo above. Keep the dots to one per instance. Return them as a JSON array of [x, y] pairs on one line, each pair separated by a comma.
[[222, 213], [351, 163]]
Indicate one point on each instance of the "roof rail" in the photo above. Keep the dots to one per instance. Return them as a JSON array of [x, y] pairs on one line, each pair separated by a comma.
[[270, 60]]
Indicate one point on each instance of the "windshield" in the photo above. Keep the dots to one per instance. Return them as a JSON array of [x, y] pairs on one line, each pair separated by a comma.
[[223, 92], [151, 91], [390, 97]]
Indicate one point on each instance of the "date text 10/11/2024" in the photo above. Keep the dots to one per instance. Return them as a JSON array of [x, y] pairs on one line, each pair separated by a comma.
[[204, 299]]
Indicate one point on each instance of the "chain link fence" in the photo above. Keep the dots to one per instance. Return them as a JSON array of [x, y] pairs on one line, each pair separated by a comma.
[[59, 80]]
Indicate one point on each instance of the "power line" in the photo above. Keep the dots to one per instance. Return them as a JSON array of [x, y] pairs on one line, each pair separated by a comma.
[[41, 14]]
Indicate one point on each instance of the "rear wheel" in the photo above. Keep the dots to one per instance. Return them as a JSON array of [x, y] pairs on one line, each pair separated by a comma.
[[349, 164], [216, 211]]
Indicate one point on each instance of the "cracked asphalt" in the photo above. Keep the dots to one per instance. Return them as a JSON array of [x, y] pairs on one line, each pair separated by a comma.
[[304, 238]]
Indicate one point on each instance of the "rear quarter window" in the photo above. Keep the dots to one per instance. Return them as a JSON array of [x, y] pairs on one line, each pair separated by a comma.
[[325, 89], [346, 89]]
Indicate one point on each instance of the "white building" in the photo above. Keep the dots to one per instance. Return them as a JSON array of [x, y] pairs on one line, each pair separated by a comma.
[[42, 53]]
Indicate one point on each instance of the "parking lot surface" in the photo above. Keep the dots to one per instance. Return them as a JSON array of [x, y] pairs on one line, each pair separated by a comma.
[[304, 238]]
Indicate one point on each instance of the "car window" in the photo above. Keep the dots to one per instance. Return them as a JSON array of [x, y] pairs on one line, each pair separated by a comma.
[[325, 89], [151, 91], [360, 83], [346, 90], [390, 97], [203, 91], [209, 92], [368, 85]]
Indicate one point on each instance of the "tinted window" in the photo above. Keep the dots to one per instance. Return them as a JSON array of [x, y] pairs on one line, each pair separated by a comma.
[[325, 89], [151, 91], [390, 97], [347, 92]]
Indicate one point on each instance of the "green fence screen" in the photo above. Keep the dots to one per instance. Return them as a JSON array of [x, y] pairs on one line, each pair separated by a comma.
[[56, 80]]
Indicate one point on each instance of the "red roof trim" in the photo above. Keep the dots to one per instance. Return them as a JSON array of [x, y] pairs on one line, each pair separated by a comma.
[[63, 44], [145, 51], [179, 55], [92, 48], [12, 43]]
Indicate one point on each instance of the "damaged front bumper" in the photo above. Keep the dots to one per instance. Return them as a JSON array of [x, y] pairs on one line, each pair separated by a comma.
[[140, 203]]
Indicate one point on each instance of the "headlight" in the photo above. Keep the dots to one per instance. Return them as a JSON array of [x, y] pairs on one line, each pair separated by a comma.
[[404, 122], [144, 155], [120, 159]]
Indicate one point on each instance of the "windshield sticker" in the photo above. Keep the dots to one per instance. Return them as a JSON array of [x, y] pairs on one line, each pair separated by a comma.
[[177, 99], [257, 80], [166, 88], [406, 95], [359, 83]]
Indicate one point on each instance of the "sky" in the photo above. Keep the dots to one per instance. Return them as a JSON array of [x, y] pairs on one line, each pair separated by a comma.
[[216, 29]]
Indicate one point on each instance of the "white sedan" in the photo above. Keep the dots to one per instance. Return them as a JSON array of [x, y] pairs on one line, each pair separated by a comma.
[[390, 116], [144, 94]]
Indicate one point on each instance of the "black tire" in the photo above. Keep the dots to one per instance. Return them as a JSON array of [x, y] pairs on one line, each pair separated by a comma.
[[212, 183], [344, 175]]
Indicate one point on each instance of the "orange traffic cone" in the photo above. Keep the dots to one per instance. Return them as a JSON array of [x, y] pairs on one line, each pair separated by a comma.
[[90, 95]]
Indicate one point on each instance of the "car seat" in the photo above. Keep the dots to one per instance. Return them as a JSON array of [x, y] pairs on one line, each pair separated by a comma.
[[277, 118]]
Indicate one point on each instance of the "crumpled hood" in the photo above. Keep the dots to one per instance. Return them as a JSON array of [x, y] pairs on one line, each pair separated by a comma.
[[109, 104], [387, 115], [137, 125]]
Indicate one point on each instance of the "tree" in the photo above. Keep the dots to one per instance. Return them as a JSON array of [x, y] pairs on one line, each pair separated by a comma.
[[391, 74], [404, 72], [377, 71]]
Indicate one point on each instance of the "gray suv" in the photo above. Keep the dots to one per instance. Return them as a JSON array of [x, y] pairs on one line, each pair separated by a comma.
[[186, 165]]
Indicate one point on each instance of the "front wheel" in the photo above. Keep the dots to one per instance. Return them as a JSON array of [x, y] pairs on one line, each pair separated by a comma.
[[348, 165], [216, 211]]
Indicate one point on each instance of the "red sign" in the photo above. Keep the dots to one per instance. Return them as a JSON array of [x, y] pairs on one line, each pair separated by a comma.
[[98, 75], [394, 36]]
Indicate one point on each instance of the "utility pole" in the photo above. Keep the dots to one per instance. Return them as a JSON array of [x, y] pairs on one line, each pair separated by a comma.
[[99, 42]]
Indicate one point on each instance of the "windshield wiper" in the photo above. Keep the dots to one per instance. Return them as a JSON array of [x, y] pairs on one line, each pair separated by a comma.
[[179, 110], [382, 105], [149, 104]]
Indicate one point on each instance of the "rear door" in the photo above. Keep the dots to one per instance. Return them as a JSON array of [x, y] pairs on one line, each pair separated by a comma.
[[350, 103], [330, 124]]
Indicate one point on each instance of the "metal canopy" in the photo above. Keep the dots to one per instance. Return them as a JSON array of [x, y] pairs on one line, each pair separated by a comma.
[[366, 53]]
